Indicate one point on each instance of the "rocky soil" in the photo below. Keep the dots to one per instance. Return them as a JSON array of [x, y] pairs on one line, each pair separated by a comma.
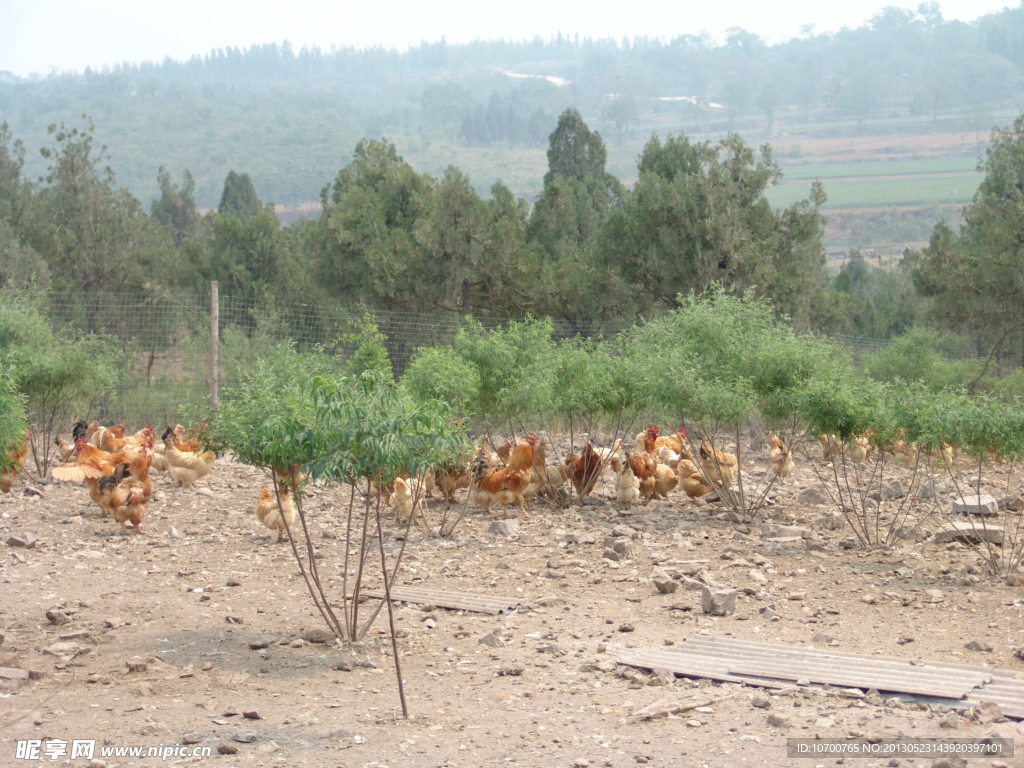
[[203, 631]]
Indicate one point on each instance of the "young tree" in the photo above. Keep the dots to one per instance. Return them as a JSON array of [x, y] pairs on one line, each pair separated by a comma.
[[621, 112], [95, 237], [698, 216], [176, 207], [239, 198], [976, 277], [768, 102]]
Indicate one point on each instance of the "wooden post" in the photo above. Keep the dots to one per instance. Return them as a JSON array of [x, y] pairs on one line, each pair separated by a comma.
[[214, 339]]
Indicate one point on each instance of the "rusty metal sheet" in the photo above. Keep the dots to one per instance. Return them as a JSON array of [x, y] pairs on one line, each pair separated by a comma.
[[457, 601]]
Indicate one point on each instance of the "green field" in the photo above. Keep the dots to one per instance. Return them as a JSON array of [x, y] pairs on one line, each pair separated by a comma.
[[928, 181]]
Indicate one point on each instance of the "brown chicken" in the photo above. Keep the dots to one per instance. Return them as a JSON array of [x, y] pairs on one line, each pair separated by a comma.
[[780, 459], [122, 498], [586, 469], [16, 456], [185, 466], [647, 441], [505, 486], [692, 481], [719, 466]]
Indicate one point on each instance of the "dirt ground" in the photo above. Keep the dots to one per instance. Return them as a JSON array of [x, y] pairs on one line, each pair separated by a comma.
[[162, 605]]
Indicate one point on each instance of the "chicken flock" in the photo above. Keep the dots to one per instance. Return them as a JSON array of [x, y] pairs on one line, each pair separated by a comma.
[[115, 468]]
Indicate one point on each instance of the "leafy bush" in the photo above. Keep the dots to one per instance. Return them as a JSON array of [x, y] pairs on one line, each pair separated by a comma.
[[62, 376], [923, 355], [724, 361], [12, 416]]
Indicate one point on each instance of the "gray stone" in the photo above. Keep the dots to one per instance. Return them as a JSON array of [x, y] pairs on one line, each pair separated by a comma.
[[57, 618], [593, 501], [666, 676], [772, 531], [988, 712], [761, 702], [718, 602], [611, 554], [985, 506], [317, 636], [24, 540], [978, 645], [12, 679], [949, 762], [970, 533], [664, 582], [624, 532], [779, 721], [624, 547], [491, 640], [811, 496], [245, 737], [504, 527]]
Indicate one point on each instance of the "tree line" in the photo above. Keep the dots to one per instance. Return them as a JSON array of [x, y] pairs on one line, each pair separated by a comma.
[[589, 252]]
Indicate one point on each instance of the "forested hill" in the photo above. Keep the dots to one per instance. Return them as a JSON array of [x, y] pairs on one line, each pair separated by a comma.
[[292, 118]]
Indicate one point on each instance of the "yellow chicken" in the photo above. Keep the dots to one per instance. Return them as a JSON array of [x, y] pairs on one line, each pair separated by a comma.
[[274, 516], [719, 466], [780, 459]]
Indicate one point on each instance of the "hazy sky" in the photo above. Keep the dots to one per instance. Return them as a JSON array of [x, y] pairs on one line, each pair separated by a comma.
[[38, 36]]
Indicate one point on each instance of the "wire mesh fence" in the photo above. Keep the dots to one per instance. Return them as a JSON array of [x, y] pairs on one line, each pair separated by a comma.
[[169, 340]]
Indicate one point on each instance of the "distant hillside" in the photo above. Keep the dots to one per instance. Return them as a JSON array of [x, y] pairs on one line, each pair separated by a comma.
[[291, 119]]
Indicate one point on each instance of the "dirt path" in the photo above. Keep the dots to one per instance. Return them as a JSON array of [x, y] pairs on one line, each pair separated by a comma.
[[318, 705]]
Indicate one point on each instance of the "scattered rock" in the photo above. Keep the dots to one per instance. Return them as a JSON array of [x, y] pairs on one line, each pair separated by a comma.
[[988, 712], [551, 602], [624, 548], [949, 762], [504, 528], [253, 715], [138, 667], [245, 737], [978, 645], [772, 531], [626, 627], [511, 671], [969, 533], [779, 721], [328, 533], [757, 577], [868, 599], [822, 639], [761, 702], [23, 540], [113, 622], [718, 602], [492, 640], [225, 748], [31, 490], [11, 679], [611, 554], [811, 497], [234, 620], [318, 636], [664, 582], [172, 532], [984, 506], [233, 582], [57, 618]]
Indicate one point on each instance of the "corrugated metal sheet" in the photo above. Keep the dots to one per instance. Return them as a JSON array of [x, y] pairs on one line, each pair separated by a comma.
[[773, 665], [458, 601]]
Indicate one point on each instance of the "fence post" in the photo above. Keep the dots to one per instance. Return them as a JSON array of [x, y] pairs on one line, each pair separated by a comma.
[[214, 339]]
